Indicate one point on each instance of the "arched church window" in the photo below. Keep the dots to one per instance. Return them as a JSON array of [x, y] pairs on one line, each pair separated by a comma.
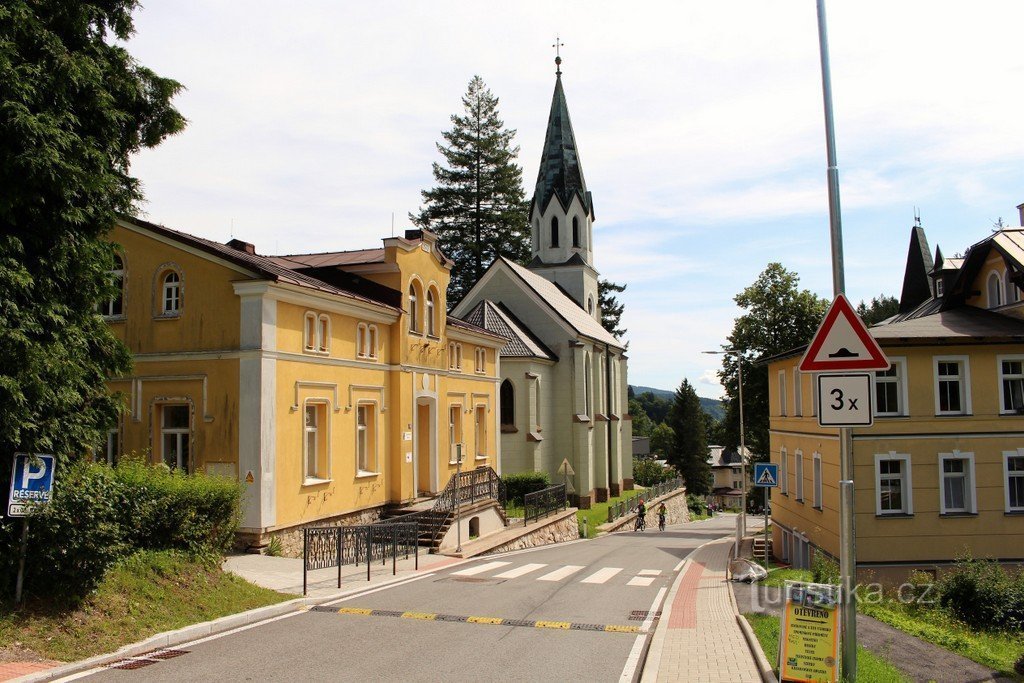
[[590, 305], [995, 290], [576, 231], [508, 404], [554, 231]]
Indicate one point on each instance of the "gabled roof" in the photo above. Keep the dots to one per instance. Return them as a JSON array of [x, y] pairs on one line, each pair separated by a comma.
[[961, 323], [720, 456], [560, 172], [563, 305], [1009, 242], [495, 318]]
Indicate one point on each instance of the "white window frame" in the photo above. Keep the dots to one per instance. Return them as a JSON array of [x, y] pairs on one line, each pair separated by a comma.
[[107, 307], [414, 312], [310, 328], [323, 409], [1000, 289], [1019, 453], [481, 360], [782, 393], [784, 471], [965, 383], [1009, 358], [480, 425], [798, 394], [816, 479], [431, 308], [323, 333], [455, 409], [170, 294], [798, 475], [182, 434], [970, 486], [907, 484], [900, 379], [367, 463], [1012, 292]]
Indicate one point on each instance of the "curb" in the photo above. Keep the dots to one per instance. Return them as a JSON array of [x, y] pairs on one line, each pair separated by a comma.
[[764, 667]]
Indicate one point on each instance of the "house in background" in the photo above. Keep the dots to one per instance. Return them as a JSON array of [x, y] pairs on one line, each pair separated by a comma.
[[941, 473], [727, 470], [331, 384]]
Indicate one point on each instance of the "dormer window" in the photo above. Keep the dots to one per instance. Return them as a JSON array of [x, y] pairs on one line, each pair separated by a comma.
[[995, 290], [576, 232], [554, 231]]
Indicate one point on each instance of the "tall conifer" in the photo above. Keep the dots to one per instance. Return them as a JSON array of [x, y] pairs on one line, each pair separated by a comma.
[[478, 207], [689, 453]]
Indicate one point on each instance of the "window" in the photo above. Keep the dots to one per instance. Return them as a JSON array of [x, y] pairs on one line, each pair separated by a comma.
[[576, 232], [508, 404], [454, 430], [586, 385], [590, 305], [109, 450], [939, 288], [554, 231], [315, 442], [956, 471], [431, 312], [1013, 470], [798, 461], [784, 471], [366, 442], [366, 341], [1011, 385], [323, 338], [995, 290], [782, 393], [171, 294], [952, 378], [309, 342], [371, 341], [481, 360], [174, 436], [890, 388], [114, 308], [817, 479], [893, 485], [481, 432], [454, 356], [414, 322], [798, 403], [316, 332], [1012, 292]]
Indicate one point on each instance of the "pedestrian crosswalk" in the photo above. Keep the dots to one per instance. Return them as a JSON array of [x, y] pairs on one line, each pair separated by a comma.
[[537, 571]]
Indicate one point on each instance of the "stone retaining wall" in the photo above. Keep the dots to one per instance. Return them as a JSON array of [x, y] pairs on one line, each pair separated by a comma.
[[675, 507], [556, 529]]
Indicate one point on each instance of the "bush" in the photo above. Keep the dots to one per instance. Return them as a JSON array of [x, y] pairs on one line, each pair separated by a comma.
[[519, 484], [100, 515], [697, 504], [825, 569], [982, 595], [648, 472]]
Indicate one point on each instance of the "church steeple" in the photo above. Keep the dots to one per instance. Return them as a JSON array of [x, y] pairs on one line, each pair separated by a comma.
[[562, 209]]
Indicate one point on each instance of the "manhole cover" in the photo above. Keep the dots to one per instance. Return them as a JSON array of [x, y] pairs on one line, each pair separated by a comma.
[[641, 615], [166, 654], [127, 664]]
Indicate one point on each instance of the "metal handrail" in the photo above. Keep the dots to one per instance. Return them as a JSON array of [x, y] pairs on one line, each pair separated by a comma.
[[335, 546], [629, 506], [544, 502]]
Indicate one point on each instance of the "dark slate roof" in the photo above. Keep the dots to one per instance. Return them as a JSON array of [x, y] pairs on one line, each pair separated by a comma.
[[916, 284], [560, 172], [962, 323], [497, 319], [331, 258], [574, 260], [460, 323]]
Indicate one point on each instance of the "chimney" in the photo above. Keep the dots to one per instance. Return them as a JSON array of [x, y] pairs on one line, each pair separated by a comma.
[[1020, 209], [239, 245]]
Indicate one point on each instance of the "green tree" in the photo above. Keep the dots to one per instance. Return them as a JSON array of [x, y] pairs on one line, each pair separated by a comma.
[[478, 207], [655, 407], [662, 440], [642, 424], [689, 453], [778, 316], [611, 307], [881, 308], [74, 107]]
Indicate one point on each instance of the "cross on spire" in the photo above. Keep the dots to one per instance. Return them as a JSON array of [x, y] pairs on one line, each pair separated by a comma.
[[558, 56]]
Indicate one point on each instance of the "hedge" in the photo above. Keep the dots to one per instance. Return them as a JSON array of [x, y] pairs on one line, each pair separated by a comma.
[[519, 484], [101, 514]]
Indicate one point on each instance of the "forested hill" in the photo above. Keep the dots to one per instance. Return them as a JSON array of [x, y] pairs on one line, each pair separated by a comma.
[[711, 406]]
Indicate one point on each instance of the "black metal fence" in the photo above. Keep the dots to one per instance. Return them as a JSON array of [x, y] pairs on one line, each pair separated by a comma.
[[542, 503], [628, 506], [336, 546]]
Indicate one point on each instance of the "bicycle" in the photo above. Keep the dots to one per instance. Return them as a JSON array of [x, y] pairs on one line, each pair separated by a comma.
[[641, 523], [661, 522]]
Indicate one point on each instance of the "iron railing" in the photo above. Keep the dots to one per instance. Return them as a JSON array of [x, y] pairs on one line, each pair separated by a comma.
[[628, 506], [464, 487], [542, 503], [335, 546]]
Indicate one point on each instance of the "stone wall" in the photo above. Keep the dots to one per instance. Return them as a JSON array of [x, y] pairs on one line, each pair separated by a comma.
[[291, 537], [675, 507], [556, 529]]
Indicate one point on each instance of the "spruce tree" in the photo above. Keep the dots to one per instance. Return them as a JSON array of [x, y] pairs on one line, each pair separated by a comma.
[[689, 451], [74, 106], [611, 307], [478, 207]]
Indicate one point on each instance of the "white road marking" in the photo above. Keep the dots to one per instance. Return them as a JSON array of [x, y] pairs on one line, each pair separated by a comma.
[[633, 661], [602, 575], [680, 565], [520, 571], [649, 572], [559, 574], [641, 581], [480, 569]]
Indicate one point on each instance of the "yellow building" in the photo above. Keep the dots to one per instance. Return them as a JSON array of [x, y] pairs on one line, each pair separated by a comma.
[[332, 384], [941, 473]]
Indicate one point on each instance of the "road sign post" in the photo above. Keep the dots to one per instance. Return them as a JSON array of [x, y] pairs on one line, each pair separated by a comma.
[[31, 484], [458, 497], [766, 476]]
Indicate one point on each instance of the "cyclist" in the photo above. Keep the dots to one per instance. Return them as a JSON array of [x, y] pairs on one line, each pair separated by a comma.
[[641, 513], [662, 512]]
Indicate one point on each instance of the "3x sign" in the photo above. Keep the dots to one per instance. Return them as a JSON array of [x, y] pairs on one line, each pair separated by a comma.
[[845, 400]]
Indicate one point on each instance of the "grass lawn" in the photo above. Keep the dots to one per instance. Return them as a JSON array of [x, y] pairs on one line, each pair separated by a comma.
[[995, 649], [870, 667], [149, 593], [778, 577], [598, 512]]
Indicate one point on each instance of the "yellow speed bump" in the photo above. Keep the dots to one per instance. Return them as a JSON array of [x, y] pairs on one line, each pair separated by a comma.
[[564, 625], [423, 616], [612, 628], [355, 610], [485, 620]]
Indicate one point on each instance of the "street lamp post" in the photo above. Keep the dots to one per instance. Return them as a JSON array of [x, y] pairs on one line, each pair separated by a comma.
[[743, 440]]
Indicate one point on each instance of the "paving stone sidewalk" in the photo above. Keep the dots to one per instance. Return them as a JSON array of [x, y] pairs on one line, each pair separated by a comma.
[[697, 638]]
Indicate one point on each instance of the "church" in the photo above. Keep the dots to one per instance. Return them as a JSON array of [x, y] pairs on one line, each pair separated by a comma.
[[563, 376]]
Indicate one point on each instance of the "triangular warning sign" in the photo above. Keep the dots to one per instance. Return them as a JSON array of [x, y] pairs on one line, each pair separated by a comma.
[[842, 342], [766, 478]]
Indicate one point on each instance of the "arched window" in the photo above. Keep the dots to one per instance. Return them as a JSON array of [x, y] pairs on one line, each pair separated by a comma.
[[586, 385], [171, 294], [309, 332], [371, 342], [576, 231], [508, 404], [115, 307], [414, 322], [590, 305], [323, 339], [995, 290], [554, 231], [431, 313]]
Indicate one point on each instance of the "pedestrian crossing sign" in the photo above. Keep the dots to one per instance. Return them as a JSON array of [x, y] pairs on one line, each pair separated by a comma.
[[766, 474]]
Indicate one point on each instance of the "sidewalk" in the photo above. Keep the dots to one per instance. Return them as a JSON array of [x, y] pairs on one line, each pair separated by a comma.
[[698, 638]]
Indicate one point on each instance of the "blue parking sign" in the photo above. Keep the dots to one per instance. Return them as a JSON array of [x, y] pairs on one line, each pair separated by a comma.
[[31, 483], [766, 475]]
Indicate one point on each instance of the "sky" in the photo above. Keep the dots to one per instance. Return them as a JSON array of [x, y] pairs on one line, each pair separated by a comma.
[[699, 125]]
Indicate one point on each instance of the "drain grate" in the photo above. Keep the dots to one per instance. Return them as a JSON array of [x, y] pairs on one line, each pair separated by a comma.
[[166, 654], [641, 615], [129, 664]]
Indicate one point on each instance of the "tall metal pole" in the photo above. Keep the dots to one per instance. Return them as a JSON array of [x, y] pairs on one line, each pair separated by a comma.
[[847, 538], [743, 454], [458, 497]]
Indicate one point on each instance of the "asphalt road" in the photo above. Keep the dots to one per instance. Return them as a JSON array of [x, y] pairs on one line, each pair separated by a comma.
[[578, 611]]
